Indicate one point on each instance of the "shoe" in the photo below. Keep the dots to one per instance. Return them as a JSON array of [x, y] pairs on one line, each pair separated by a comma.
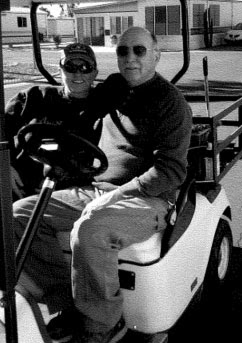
[[62, 328], [113, 336]]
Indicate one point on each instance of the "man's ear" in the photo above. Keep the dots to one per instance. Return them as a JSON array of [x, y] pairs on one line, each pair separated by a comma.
[[157, 55], [93, 76], [96, 73]]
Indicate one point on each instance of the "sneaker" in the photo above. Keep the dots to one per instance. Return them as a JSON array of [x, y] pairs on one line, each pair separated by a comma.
[[62, 328], [113, 336]]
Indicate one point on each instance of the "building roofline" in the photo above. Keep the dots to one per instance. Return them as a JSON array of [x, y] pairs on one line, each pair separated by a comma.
[[103, 5]]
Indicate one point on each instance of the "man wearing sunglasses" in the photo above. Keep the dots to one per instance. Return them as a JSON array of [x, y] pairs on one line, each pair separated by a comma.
[[62, 105], [146, 130]]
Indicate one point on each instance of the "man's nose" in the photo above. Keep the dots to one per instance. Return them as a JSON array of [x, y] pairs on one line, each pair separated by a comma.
[[79, 73], [131, 55]]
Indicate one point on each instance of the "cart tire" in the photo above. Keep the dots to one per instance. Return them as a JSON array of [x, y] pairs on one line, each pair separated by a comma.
[[218, 269]]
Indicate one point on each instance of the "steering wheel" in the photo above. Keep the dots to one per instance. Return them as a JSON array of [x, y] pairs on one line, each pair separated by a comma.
[[63, 151]]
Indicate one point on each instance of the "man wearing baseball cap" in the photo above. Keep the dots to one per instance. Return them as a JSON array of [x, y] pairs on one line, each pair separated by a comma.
[[62, 105], [78, 69], [79, 51]]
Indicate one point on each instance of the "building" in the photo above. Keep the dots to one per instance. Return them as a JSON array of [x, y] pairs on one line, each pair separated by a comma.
[[16, 25], [63, 27], [96, 25]]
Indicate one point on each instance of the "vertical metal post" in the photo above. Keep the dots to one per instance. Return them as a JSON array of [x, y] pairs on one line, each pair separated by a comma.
[[36, 45], [240, 123], [185, 41], [206, 85], [7, 253]]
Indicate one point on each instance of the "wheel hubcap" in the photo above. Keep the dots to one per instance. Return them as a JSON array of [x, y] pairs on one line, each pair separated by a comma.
[[223, 258]]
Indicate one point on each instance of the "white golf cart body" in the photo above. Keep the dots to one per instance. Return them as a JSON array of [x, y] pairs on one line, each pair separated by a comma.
[[162, 288]]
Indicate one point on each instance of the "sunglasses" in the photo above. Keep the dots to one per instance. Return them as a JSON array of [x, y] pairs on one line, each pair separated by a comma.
[[84, 68], [138, 50]]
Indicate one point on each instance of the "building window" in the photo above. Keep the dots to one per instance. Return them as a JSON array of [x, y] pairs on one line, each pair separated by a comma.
[[130, 21], [22, 22], [174, 24], [198, 14], [160, 20], [149, 19], [120, 24], [215, 14], [163, 20]]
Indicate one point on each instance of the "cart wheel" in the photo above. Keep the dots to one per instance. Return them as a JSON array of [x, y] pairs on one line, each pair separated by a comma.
[[220, 260]]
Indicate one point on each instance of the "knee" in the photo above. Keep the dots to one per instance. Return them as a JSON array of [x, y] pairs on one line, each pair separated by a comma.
[[88, 231], [80, 233], [22, 211], [24, 207]]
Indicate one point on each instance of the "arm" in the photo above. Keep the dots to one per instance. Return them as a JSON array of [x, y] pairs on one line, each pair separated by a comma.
[[13, 111], [19, 111], [171, 140], [102, 98]]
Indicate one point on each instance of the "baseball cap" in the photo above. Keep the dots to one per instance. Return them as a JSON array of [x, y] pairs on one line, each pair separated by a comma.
[[78, 50]]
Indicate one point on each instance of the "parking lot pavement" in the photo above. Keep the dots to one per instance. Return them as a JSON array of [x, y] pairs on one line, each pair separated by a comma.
[[224, 47]]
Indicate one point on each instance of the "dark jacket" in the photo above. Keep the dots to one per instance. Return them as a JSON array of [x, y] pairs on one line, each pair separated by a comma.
[[43, 104], [146, 135]]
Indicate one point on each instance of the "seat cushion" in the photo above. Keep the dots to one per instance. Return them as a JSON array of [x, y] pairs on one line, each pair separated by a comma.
[[143, 252]]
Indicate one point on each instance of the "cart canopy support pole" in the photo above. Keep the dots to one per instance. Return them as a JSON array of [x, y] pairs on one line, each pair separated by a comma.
[[7, 254]]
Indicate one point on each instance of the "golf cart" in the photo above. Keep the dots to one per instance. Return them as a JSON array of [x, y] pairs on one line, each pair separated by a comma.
[[158, 281]]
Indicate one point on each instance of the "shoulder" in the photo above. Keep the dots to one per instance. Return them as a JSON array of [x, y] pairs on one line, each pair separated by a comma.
[[114, 81], [19, 99], [50, 91], [37, 92], [167, 92], [111, 89], [168, 104], [159, 83]]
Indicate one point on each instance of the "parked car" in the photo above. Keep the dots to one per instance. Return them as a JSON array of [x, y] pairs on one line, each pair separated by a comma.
[[234, 36]]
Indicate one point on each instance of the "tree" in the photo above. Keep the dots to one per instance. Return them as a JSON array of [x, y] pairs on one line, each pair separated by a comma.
[[42, 8], [70, 8], [57, 40], [67, 10]]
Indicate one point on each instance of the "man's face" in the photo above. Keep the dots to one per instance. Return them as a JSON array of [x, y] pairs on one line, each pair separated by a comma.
[[77, 77], [137, 56]]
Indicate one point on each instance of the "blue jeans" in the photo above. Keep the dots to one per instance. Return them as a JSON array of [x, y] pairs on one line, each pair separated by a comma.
[[96, 238]]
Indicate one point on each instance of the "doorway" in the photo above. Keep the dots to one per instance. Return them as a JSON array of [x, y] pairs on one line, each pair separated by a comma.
[[91, 30]]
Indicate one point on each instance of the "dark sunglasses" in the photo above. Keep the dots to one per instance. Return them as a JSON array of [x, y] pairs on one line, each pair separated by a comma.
[[138, 50], [84, 68]]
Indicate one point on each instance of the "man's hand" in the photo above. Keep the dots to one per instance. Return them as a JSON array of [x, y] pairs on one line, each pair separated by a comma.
[[112, 194], [105, 200], [17, 184]]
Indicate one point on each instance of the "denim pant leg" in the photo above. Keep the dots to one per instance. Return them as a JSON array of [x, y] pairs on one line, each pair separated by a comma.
[[45, 263], [96, 240]]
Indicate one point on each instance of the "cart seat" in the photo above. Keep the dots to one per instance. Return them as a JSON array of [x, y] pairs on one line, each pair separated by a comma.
[[144, 252]]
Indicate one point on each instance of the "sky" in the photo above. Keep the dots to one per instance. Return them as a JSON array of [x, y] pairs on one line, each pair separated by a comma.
[[55, 10]]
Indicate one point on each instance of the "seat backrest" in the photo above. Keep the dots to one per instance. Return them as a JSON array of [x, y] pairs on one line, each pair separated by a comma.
[[185, 206]]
